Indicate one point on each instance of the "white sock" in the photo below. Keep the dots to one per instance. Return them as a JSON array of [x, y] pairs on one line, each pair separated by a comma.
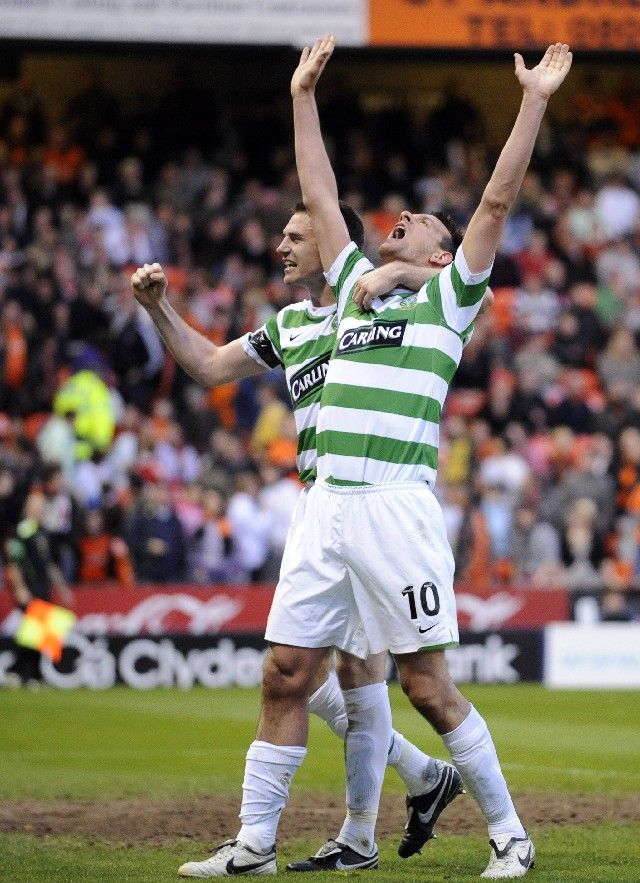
[[474, 754], [268, 772], [328, 704], [366, 748], [417, 770]]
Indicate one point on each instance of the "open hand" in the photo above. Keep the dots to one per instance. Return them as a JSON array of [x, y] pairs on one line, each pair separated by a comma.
[[545, 77], [149, 284], [312, 63]]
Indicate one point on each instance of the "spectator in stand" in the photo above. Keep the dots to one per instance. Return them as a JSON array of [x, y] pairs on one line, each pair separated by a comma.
[[109, 223], [534, 355], [584, 306], [211, 554], [619, 362], [226, 459], [88, 318], [101, 555], [62, 157], [627, 469], [497, 410], [469, 537], [587, 478], [581, 546], [129, 185], [278, 498], [570, 350], [156, 538], [617, 606], [178, 461], [583, 225], [14, 355], [504, 467], [572, 410], [496, 506], [61, 520], [537, 305], [251, 526], [124, 451], [617, 208], [528, 406], [534, 548], [135, 349], [272, 413]]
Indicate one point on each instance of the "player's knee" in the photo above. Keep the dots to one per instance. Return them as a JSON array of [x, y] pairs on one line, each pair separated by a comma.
[[286, 674], [428, 693]]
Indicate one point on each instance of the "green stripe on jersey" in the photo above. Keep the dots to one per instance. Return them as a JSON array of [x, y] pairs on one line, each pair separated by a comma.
[[373, 447], [396, 360], [467, 295], [404, 403]]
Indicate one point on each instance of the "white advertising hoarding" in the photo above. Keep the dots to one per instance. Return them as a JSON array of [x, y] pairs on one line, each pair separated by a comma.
[[279, 22], [603, 655]]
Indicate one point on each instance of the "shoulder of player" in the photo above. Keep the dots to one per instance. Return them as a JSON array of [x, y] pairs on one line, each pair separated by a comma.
[[349, 259], [302, 314]]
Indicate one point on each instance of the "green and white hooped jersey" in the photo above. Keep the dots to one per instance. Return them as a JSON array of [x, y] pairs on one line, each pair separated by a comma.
[[300, 339], [390, 372]]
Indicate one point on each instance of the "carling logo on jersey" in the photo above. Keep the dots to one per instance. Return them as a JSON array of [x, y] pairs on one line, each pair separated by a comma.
[[373, 336], [308, 379]]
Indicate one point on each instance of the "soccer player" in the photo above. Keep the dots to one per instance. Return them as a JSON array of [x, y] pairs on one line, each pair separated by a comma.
[[300, 339], [372, 509]]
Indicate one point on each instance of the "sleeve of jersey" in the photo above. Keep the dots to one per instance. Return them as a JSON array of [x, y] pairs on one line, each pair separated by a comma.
[[461, 292], [345, 271], [262, 345]]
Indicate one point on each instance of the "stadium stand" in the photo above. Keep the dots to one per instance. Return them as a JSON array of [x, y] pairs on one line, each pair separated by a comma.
[[160, 480]]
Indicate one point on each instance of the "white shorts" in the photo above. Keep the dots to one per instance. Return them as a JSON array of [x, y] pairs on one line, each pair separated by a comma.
[[366, 569]]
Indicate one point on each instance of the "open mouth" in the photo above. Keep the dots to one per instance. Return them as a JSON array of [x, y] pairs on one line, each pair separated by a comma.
[[398, 232], [288, 265]]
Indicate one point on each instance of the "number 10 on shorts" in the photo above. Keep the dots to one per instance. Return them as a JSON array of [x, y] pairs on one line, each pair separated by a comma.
[[429, 601]]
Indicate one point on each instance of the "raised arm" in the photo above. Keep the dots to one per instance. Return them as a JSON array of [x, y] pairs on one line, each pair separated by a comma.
[[317, 180], [485, 227], [207, 363]]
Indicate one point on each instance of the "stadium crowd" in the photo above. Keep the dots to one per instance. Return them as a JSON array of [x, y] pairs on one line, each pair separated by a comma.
[[149, 478]]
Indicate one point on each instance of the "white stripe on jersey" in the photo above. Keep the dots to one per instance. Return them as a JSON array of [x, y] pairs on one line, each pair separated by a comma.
[[410, 380], [382, 423], [306, 459], [306, 417], [458, 317], [360, 267]]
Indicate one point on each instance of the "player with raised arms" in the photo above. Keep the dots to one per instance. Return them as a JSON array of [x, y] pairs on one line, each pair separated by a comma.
[[376, 521]]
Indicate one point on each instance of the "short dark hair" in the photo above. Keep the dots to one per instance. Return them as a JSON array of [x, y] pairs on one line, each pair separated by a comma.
[[352, 219], [453, 240]]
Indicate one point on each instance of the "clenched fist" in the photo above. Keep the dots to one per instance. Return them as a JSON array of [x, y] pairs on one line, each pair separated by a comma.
[[149, 285]]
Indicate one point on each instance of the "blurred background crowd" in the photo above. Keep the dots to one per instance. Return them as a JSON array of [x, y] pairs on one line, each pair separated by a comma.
[[149, 478]]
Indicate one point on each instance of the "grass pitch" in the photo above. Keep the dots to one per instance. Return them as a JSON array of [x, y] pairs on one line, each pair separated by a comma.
[[168, 745]]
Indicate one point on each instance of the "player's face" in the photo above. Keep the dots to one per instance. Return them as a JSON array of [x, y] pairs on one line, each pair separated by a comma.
[[299, 250], [416, 239]]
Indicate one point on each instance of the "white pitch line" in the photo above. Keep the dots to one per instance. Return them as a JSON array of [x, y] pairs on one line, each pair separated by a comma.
[[574, 771]]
